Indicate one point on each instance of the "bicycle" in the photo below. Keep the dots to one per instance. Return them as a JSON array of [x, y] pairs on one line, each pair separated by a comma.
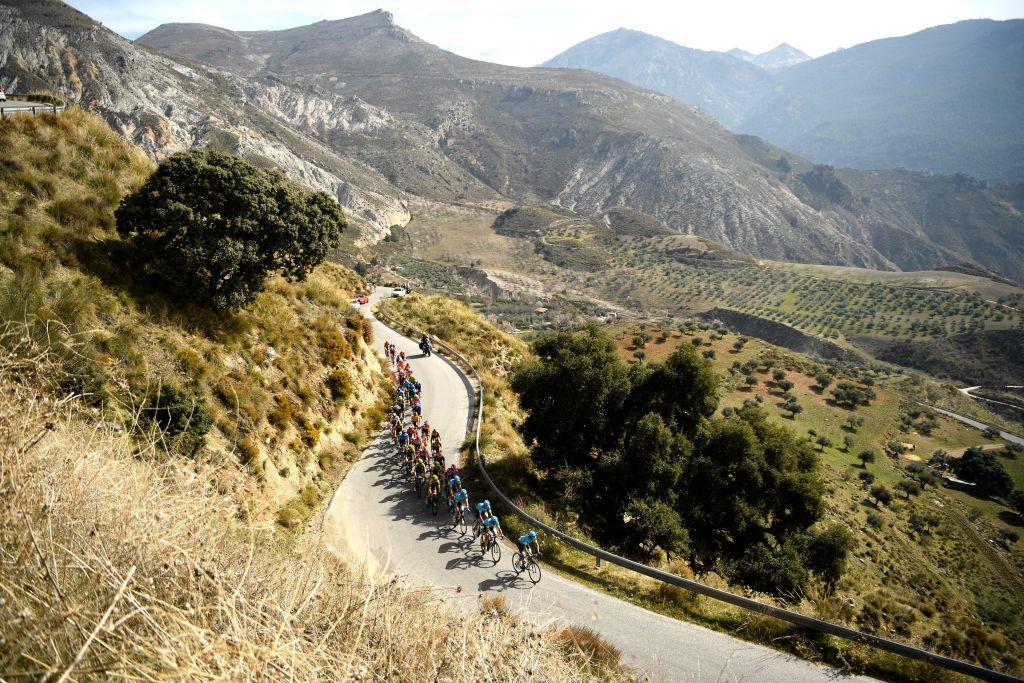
[[432, 502], [527, 564], [459, 520], [490, 544], [419, 485]]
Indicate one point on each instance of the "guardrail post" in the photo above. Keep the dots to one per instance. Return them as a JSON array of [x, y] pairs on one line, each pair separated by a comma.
[[597, 562]]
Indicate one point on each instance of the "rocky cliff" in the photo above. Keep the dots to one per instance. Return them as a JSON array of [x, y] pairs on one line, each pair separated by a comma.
[[164, 105]]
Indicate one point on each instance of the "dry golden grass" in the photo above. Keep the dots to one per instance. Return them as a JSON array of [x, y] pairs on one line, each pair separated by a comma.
[[117, 563]]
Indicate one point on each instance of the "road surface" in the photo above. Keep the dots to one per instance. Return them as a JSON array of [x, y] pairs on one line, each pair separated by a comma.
[[376, 516], [1008, 436]]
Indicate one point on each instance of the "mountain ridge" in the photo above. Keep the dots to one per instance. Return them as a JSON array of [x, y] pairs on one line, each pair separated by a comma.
[[377, 116], [945, 99]]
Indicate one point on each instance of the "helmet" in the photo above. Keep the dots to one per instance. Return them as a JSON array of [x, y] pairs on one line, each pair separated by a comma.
[[495, 518], [487, 503], [533, 535], [464, 491]]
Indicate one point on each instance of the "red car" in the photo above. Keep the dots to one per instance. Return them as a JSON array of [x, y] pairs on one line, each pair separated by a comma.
[[363, 299]]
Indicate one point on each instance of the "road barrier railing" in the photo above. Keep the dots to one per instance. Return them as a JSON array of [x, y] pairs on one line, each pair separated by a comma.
[[791, 617], [33, 109]]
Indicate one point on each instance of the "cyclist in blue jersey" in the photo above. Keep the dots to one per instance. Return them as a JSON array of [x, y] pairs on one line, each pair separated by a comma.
[[454, 484], [462, 500], [483, 510], [525, 543], [493, 528]]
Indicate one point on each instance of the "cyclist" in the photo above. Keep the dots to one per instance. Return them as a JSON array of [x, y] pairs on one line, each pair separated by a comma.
[[425, 430], [524, 542], [483, 510], [436, 469], [454, 484], [433, 486], [419, 467], [439, 458], [462, 501], [415, 418], [410, 455], [403, 438], [492, 527]]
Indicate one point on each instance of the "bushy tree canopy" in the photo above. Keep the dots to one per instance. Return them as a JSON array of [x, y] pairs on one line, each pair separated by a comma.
[[650, 467], [985, 471], [213, 227]]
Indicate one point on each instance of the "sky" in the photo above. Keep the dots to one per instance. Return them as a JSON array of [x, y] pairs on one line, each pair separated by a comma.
[[528, 32]]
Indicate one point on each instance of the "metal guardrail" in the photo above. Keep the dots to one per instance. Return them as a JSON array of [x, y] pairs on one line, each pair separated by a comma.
[[699, 588], [31, 108]]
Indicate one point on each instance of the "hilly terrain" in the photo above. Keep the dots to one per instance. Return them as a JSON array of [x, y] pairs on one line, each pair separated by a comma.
[[586, 143], [162, 463], [724, 85], [945, 100], [343, 106]]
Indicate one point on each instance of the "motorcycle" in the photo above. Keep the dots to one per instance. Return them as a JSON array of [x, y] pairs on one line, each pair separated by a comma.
[[425, 347]]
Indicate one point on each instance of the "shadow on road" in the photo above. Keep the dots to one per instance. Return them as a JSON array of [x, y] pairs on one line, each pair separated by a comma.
[[504, 580]]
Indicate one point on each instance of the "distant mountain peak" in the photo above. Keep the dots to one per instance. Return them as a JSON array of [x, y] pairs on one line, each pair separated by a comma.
[[778, 58]]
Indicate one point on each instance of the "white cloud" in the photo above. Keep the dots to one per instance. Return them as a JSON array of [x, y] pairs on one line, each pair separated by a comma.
[[528, 32]]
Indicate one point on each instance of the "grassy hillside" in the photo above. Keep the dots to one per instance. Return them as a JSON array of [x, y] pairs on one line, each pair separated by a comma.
[[564, 263], [274, 397], [119, 566], [932, 567], [156, 454], [938, 569]]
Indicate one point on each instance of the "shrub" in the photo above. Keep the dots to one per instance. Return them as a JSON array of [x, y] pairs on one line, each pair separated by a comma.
[[334, 348], [183, 418], [588, 641], [283, 412], [247, 450], [213, 227], [340, 384]]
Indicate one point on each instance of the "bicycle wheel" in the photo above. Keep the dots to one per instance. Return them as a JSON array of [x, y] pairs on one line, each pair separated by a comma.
[[433, 505], [495, 551], [517, 562], [534, 570]]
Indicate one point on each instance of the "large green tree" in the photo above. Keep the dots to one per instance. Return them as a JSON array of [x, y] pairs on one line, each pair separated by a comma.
[[213, 227], [985, 471], [642, 459], [574, 394]]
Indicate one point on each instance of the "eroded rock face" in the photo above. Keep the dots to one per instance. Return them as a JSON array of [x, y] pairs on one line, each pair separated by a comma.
[[164, 106], [779, 334]]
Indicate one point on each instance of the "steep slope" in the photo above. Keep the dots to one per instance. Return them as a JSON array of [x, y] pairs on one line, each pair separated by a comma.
[[946, 99], [580, 140], [368, 110], [721, 84], [163, 105]]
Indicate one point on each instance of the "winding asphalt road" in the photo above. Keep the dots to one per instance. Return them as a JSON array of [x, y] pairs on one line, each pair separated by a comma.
[[376, 517]]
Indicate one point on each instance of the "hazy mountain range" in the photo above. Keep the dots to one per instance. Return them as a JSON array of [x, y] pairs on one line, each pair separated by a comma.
[[947, 99], [373, 114]]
